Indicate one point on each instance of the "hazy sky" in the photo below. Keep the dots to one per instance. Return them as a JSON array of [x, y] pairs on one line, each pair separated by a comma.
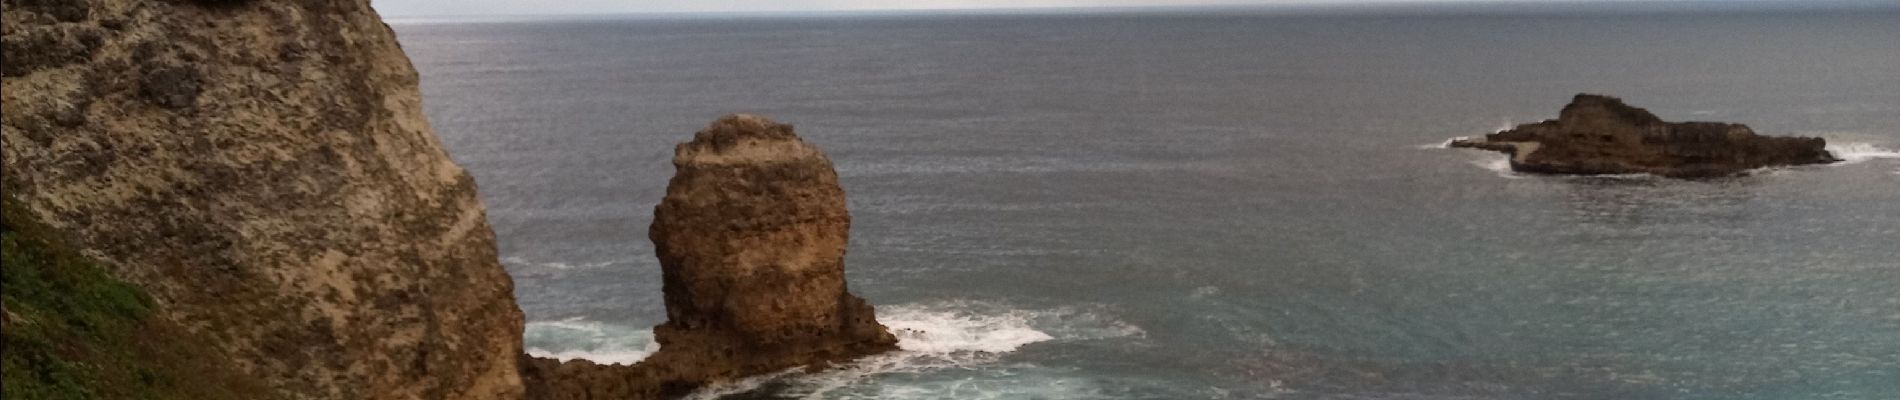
[[521, 7]]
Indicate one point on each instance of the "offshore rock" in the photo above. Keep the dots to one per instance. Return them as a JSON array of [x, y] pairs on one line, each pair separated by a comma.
[[751, 239], [263, 169], [1598, 134]]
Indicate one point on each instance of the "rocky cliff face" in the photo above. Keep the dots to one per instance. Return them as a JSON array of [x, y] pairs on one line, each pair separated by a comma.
[[1600, 135], [263, 169], [751, 240]]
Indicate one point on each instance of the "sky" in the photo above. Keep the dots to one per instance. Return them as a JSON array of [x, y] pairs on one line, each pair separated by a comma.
[[405, 8]]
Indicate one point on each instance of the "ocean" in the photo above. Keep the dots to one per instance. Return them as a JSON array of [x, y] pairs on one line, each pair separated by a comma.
[[1222, 204]]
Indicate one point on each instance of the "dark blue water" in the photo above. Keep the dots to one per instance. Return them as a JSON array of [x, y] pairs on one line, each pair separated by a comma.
[[1224, 206]]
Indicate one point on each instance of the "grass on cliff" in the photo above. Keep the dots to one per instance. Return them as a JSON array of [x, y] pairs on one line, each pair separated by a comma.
[[73, 332]]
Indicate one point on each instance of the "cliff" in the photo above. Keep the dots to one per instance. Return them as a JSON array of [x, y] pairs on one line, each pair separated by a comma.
[[1597, 134], [751, 239], [73, 332], [263, 172]]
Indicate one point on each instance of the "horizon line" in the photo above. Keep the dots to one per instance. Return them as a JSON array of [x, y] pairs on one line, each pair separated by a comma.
[[1322, 6]]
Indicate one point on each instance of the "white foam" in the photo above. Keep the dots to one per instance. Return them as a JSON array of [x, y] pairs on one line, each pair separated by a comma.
[[961, 336], [1857, 152], [579, 338], [946, 333], [722, 389], [1440, 145], [555, 265], [1499, 163], [628, 357], [1504, 124]]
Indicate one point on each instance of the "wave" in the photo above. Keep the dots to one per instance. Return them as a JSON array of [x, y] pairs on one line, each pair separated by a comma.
[[1504, 124], [1500, 164], [1857, 152], [556, 265], [953, 335], [960, 336], [966, 337], [1440, 145], [579, 338]]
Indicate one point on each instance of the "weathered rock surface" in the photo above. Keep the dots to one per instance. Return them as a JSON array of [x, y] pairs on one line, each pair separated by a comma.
[[264, 170], [751, 240], [1597, 134]]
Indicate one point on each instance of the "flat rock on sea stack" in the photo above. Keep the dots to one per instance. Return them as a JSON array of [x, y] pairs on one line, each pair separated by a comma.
[[1598, 134], [751, 239]]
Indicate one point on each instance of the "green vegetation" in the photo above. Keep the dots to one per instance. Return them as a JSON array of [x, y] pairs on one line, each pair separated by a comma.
[[73, 332]]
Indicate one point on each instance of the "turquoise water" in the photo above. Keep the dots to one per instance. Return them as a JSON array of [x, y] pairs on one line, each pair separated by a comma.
[[1223, 205]]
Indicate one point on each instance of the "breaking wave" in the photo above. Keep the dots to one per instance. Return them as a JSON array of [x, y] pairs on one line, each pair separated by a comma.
[[1504, 125], [579, 338], [951, 347], [1441, 145], [555, 265], [1498, 163], [969, 339], [1857, 152]]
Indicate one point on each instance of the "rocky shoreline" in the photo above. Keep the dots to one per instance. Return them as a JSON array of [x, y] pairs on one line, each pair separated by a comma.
[[1596, 135], [262, 173]]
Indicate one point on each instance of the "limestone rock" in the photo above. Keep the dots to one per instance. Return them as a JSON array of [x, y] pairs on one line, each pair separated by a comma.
[[291, 207], [751, 240], [1597, 134]]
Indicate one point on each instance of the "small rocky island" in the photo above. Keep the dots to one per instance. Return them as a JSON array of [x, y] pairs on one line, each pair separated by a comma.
[[1598, 134]]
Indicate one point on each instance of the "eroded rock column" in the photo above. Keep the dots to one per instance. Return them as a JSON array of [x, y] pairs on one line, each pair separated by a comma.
[[751, 239]]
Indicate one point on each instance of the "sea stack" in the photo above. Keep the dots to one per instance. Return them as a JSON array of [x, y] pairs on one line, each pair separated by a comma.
[[751, 239], [1598, 134]]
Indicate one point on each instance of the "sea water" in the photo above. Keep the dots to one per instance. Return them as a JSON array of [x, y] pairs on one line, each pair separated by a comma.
[[1222, 204]]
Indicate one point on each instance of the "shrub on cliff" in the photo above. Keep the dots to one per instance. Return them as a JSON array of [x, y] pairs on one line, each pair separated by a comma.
[[73, 332]]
